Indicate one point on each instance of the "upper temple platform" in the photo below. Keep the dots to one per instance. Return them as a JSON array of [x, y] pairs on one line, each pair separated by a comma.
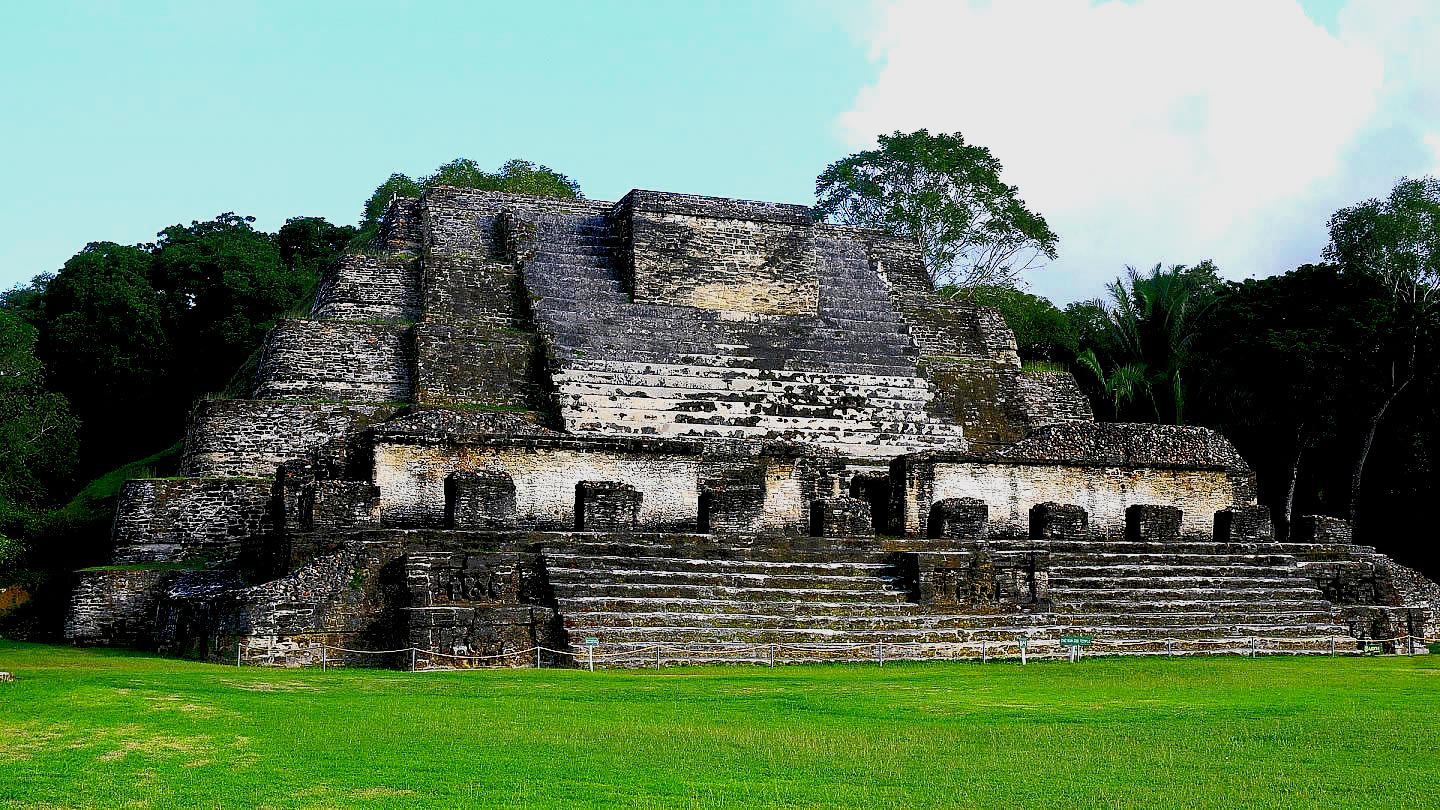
[[667, 316]]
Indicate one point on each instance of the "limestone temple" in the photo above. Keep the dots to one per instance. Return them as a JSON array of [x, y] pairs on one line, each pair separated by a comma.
[[693, 422]]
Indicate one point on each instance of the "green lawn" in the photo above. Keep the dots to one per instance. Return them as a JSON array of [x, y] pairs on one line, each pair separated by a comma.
[[98, 728]]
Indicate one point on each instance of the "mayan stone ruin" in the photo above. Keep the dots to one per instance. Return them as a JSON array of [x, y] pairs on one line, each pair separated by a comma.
[[675, 424]]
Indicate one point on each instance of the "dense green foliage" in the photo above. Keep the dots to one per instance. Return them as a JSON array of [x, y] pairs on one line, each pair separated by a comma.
[[91, 728], [131, 335], [947, 194], [513, 176], [101, 360], [38, 446]]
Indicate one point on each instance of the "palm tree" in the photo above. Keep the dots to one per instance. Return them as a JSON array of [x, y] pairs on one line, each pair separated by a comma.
[[1149, 329]]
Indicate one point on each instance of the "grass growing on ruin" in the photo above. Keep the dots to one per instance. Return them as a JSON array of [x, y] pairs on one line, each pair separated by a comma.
[[95, 728]]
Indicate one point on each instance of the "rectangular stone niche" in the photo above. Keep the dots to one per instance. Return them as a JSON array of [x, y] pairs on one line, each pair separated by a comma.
[[606, 506], [479, 500]]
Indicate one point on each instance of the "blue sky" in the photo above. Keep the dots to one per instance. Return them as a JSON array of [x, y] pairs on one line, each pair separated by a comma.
[[120, 119]]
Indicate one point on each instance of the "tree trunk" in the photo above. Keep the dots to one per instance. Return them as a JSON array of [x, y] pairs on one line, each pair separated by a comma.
[[1365, 446], [1294, 479]]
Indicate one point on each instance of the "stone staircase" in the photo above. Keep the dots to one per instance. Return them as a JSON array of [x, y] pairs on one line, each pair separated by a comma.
[[700, 600], [688, 599], [846, 379], [1192, 596]]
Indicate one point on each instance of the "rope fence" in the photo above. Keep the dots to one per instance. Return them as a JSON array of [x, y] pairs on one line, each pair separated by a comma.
[[645, 654]]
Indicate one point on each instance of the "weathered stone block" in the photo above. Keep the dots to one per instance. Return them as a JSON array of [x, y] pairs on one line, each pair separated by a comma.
[[840, 516], [1243, 524], [1321, 529], [1145, 522], [961, 518], [1058, 521], [606, 506], [479, 500], [731, 510], [334, 505], [168, 520]]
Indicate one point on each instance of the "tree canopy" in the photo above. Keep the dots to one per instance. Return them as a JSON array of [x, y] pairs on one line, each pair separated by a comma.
[[514, 176], [973, 229]]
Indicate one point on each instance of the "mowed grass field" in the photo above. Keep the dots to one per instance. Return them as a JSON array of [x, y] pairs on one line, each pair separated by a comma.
[[110, 729]]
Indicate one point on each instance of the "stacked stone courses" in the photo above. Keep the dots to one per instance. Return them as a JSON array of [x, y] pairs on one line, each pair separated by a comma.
[[680, 423]]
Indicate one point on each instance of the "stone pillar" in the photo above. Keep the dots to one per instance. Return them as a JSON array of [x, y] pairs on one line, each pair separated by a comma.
[[1058, 521], [874, 489], [840, 516], [341, 505], [730, 510], [606, 506], [1321, 529], [962, 518], [292, 478], [1242, 524], [479, 500], [1151, 523]]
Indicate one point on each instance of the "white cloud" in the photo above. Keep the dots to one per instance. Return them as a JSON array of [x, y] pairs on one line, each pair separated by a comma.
[[1166, 130]]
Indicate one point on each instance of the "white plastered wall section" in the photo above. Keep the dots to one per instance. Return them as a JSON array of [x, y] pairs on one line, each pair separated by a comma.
[[411, 479], [1104, 492]]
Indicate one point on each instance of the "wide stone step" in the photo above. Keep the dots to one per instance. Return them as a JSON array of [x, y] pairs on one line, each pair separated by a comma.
[[1086, 549], [683, 564], [578, 605], [802, 550], [844, 622], [798, 635], [1171, 559], [566, 590], [1066, 572], [1190, 619], [662, 578], [1102, 605], [1066, 596], [1169, 580]]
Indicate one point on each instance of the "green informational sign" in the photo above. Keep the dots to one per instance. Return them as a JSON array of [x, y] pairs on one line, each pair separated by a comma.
[[1076, 641], [591, 641]]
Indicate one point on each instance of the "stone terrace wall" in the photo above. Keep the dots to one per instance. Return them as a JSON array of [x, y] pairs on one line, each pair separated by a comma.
[[722, 254], [336, 361], [251, 437], [1102, 467], [370, 288], [461, 364], [175, 520], [1051, 397], [670, 476], [463, 220]]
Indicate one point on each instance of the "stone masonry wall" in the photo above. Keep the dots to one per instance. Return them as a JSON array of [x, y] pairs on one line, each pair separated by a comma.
[[1103, 467], [361, 287], [1053, 396], [720, 254], [474, 364], [175, 520], [463, 220], [412, 484], [469, 289], [251, 437], [336, 361]]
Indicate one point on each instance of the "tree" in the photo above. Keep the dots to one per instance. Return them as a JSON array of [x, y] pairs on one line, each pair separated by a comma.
[[973, 229], [1275, 360], [37, 436], [1043, 333], [1142, 344], [312, 243], [1396, 242], [223, 286], [514, 176], [103, 342]]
